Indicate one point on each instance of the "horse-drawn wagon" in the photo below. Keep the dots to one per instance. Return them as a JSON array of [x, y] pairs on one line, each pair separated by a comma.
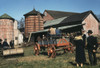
[[53, 45]]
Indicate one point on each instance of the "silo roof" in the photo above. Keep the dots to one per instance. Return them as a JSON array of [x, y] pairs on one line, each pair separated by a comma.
[[6, 16], [33, 12]]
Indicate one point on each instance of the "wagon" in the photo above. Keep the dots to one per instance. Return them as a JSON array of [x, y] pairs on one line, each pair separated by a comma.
[[55, 45]]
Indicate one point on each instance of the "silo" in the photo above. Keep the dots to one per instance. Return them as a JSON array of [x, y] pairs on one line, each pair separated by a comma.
[[6, 27], [33, 22]]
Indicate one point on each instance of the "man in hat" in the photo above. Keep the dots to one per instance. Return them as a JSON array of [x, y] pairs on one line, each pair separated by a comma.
[[92, 46], [0, 43]]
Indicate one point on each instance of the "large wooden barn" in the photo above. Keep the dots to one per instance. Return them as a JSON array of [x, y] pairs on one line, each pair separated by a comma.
[[66, 21], [87, 18]]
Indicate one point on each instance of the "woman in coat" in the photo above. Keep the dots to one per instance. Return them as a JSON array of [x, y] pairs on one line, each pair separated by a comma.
[[80, 54]]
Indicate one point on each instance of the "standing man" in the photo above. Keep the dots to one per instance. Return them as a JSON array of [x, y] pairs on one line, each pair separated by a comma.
[[52, 31], [12, 44], [84, 37], [5, 44], [92, 47], [58, 32], [0, 43]]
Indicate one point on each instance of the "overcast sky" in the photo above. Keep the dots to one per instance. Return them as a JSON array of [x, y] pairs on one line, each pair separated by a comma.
[[17, 8]]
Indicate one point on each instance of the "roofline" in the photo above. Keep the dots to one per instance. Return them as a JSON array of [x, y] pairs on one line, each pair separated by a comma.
[[58, 11], [67, 24], [62, 11], [48, 13], [92, 14], [8, 18]]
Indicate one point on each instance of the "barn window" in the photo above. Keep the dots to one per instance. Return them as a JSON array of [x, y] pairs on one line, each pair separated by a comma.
[[16, 38], [45, 14]]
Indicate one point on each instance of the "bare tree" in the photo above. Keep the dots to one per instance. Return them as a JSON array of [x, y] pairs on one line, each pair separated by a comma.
[[21, 23]]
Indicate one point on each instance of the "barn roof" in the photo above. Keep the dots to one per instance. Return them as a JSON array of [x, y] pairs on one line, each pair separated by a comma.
[[71, 20], [33, 12], [77, 18], [6, 16], [59, 14], [53, 22], [61, 28]]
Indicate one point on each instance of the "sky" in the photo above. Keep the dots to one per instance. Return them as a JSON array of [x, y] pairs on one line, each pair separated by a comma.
[[17, 8]]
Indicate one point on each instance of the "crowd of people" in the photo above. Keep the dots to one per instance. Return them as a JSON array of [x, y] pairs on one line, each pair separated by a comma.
[[4, 44]]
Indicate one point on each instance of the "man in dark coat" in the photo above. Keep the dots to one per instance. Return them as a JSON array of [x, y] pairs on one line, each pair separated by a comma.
[[5, 44], [12, 44], [84, 37], [0, 47], [0, 43], [92, 46]]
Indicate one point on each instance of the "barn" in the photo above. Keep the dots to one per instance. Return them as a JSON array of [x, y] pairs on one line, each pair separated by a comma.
[[68, 22], [88, 20]]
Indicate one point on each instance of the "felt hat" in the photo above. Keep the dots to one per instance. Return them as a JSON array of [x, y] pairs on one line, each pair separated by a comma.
[[90, 31]]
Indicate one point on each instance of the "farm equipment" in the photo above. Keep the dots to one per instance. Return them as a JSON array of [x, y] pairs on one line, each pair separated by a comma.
[[9, 52], [53, 46]]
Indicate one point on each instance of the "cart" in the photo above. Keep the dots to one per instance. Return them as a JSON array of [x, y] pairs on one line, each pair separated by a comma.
[[53, 46]]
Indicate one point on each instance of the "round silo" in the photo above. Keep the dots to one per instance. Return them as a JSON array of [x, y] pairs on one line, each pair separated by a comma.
[[6, 27]]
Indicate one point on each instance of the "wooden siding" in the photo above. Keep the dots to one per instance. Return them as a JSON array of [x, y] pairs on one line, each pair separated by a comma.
[[91, 24]]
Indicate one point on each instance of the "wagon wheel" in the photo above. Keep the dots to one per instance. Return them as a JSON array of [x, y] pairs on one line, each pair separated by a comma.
[[36, 50], [65, 50], [51, 51], [71, 48]]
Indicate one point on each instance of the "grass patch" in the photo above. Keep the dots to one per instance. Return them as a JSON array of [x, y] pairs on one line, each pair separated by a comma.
[[29, 60]]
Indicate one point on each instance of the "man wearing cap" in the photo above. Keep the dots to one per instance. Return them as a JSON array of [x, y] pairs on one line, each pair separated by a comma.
[[92, 46]]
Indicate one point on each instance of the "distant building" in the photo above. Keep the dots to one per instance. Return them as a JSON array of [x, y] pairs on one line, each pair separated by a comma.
[[18, 36], [33, 22]]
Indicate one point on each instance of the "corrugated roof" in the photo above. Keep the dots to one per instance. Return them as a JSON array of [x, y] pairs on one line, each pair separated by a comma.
[[54, 22], [61, 28], [46, 30], [59, 14], [66, 27], [71, 20], [6, 16]]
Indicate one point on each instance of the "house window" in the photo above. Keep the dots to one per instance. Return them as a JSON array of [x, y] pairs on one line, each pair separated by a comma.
[[16, 38], [45, 14]]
